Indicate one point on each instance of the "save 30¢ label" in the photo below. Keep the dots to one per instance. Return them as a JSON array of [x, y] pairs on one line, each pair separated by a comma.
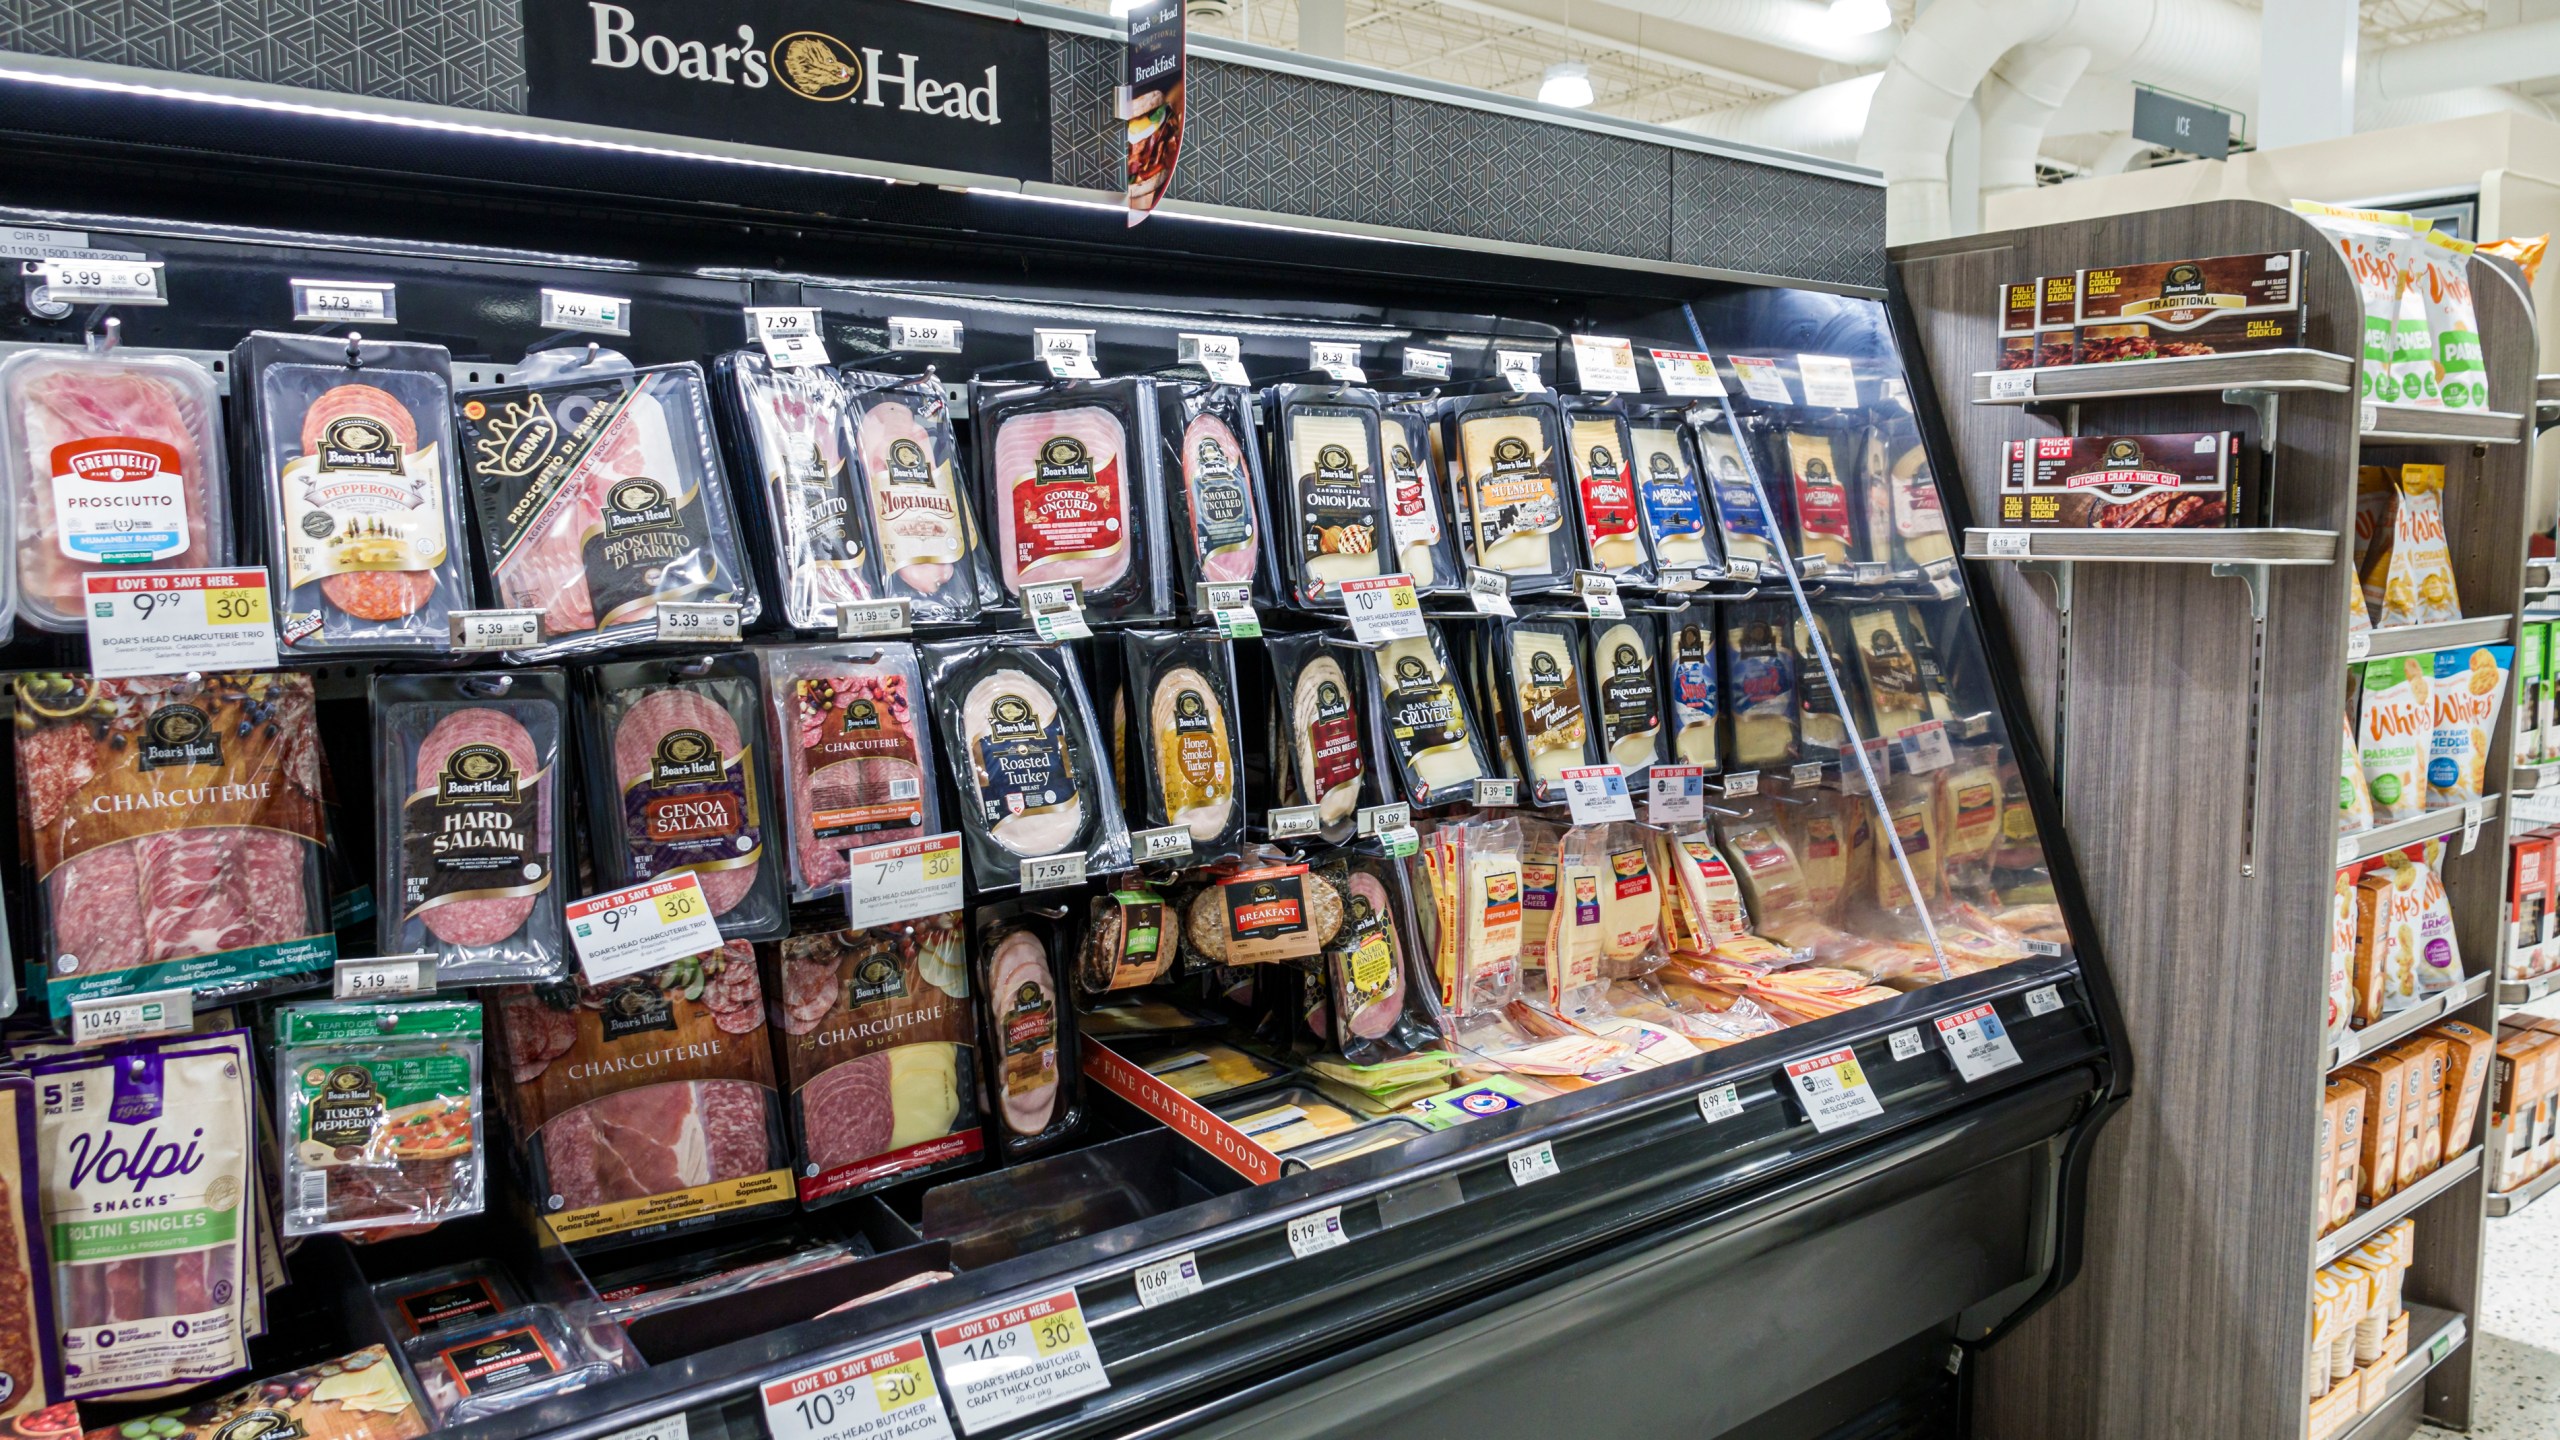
[[1019, 1361], [902, 880], [168, 622], [887, 1394], [1834, 1089], [641, 927]]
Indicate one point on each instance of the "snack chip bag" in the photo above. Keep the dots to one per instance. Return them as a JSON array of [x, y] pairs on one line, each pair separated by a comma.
[[2355, 803], [2397, 724], [2470, 682], [2441, 283], [2378, 246], [2527, 254], [2410, 581], [2435, 960]]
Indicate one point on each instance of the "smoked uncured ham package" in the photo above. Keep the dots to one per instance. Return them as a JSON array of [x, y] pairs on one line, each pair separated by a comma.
[[1019, 957], [853, 753], [793, 461], [1222, 536], [1023, 746], [472, 786], [1426, 544], [654, 1088], [676, 780], [931, 551], [113, 460], [174, 828], [1180, 690], [1375, 993], [1507, 463], [1070, 480], [1319, 729], [1428, 728], [379, 1115], [1605, 490], [357, 491], [878, 1048], [600, 494], [27, 1366], [1671, 493], [1328, 490]]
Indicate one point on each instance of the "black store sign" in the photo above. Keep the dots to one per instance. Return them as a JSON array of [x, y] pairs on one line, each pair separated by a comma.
[[871, 79]]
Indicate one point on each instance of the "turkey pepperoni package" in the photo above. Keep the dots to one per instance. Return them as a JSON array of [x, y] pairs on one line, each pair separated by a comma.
[[1069, 479], [379, 1109], [473, 822], [355, 482], [677, 780], [853, 753], [931, 551]]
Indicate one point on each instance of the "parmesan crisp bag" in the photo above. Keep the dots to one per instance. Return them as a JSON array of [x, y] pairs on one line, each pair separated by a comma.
[[2411, 581], [2440, 280], [2378, 246], [2355, 804], [2397, 724], [2470, 681]]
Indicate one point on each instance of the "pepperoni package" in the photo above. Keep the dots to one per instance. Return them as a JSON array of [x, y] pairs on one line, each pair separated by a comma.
[[853, 753]]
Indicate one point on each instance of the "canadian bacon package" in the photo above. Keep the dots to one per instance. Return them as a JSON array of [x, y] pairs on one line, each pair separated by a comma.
[[1069, 482], [853, 752]]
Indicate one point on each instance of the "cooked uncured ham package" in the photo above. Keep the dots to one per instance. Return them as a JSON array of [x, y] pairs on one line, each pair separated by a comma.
[[1430, 728], [1606, 492], [1507, 464], [1329, 489], [27, 1364], [852, 750], [1319, 727], [1034, 1080], [906, 460], [358, 490], [1218, 485], [677, 780], [795, 470], [1919, 519], [1070, 479], [655, 1087], [175, 832], [878, 1049], [113, 461], [379, 1115], [1015, 720], [473, 822], [1181, 691], [1672, 497], [1426, 545], [600, 495]]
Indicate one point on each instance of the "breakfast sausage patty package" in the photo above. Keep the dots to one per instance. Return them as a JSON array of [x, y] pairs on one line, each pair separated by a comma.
[[1069, 479], [1034, 1074]]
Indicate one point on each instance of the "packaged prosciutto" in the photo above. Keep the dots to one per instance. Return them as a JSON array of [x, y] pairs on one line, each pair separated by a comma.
[[1506, 462], [1319, 729], [1034, 1078], [1742, 521], [1605, 489], [1020, 732], [600, 494], [1429, 729], [1328, 490], [1217, 481], [1689, 659], [1426, 544], [112, 459], [1543, 704], [1068, 480], [379, 1111], [878, 1048], [1673, 500], [931, 551], [792, 457], [1181, 692], [474, 824], [657, 1087], [174, 828], [676, 782], [27, 1336], [363, 519], [853, 750]]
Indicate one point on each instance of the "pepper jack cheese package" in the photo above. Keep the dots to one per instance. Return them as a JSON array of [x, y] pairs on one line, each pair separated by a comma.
[[1605, 490], [2395, 727], [1430, 732], [1819, 498], [1544, 704], [1330, 489], [2123, 482], [2408, 580], [1506, 458], [2470, 681]]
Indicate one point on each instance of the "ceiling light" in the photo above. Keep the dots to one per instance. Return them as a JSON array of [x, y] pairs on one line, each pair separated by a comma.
[[1568, 83], [1860, 17]]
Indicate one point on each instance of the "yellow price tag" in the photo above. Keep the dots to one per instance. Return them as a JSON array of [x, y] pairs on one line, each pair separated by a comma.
[[943, 864], [900, 1385], [1403, 598], [682, 905], [1851, 1077], [1061, 1330], [244, 606]]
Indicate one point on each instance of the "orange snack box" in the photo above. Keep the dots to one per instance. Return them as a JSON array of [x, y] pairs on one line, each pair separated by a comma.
[[2466, 1076]]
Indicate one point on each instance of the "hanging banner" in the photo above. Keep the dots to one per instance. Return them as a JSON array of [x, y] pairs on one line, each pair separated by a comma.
[[1151, 101]]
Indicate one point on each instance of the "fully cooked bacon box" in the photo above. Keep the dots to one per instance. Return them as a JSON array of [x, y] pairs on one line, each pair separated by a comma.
[[2189, 307], [2123, 482]]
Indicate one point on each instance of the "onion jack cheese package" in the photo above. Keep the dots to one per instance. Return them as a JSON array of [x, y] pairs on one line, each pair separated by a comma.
[[1329, 489]]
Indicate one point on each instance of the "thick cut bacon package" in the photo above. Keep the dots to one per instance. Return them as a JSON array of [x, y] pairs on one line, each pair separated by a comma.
[[931, 552], [360, 507], [796, 473], [853, 753], [1069, 480], [600, 495], [113, 461], [175, 831], [473, 822]]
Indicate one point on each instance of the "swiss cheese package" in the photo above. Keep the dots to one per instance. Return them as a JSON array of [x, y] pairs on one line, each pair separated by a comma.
[[2466, 1074]]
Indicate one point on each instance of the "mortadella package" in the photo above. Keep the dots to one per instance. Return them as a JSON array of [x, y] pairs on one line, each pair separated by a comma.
[[931, 551]]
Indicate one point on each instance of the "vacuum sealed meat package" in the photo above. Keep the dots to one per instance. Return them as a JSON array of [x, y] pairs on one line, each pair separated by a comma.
[[473, 829], [931, 551], [174, 828], [362, 509], [1328, 490], [113, 460], [379, 1112], [600, 495], [474, 1371], [792, 430], [1069, 476], [27, 1336], [1219, 485], [1182, 693], [1034, 1079], [1319, 727], [1373, 998], [853, 749], [1023, 744]]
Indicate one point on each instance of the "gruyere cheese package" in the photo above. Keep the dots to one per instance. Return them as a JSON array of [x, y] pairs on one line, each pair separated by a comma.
[[2470, 681], [1430, 728], [2396, 724]]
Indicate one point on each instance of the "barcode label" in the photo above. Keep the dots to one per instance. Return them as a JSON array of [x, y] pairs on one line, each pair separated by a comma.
[[907, 789], [311, 1192]]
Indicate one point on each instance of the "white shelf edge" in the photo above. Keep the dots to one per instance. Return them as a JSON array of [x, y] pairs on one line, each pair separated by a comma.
[[2503, 1203], [2368, 1223], [2525, 992], [2402, 1023], [2415, 1366], [2166, 547], [2397, 640], [2434, 824], [2318, 370]]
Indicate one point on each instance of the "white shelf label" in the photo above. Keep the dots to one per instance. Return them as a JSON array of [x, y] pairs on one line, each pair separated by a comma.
[[383, 977], [1294, 821], [1533, 1163], [1222, 356], [2044, 1000], [1401, 841], [1317, 1233], [1761, 379], [1676, 794], [1378, 819], [2009, 544], [1055, 609], [1382, 608], [699, 622], [2013, 385], [2348, 845], [641, 927], [1925, 747], [1829, 381], [1977, 1042], [665, 1427], [1720, 1102], [1229, 606], [922, 335], [124, 1017], [1497, 793], [789, 334], [1067, 353], [1687, 372], [1426, 364], [2473, 815], [1834, 1089], [105, 282], [496, 629], [1597, 794], [1053, 872], [903, 880], [1741, 784], [1337, 358], [1172, 842], [1520, 367], [1599, 594], [2368, 416], [887, 1394], [1804, 776], [869, 619], [592, 314], [1906, 1044], [328, 301], [1489, 591], [2359, 645], [1168, 1280], [1870, 572], [1606, 362], [168, 622], [1019, 1361]]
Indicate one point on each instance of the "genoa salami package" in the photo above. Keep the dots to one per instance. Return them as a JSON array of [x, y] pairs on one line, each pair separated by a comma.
[[1426, 544], [931, 551], [878, 1049], [113, 460], [174, 827], [1181, 691], [657, 1087], [1020, 731], [363, 519], [676, 781], [1034, 1077], [1319, 729], [1068, 479], [600, 494], [1506, 462], [1223, 537], [474, 824], [852, 750], [792, 458], [1606, 494], [1328, 491], [27, 1364], [379, 1113]]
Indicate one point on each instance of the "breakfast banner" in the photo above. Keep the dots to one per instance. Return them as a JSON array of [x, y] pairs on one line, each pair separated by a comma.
[[1151, 101]]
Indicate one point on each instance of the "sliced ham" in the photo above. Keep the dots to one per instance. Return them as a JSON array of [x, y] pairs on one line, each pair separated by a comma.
[[1062, 501], [1214, 476], [917, 519]]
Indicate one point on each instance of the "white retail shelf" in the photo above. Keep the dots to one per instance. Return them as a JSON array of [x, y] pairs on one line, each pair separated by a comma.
[[2371, 1222], [2225, 546], [2503, 1203], [2395, 640], [2381, 839], [2429, 425], [2525, 992], [2291, 369], [2540, 776], [2433, 1337], [2394, 1026]]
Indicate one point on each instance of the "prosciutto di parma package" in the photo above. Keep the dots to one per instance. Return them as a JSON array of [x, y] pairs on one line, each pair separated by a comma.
[[113, 460], [878, 1048], [796, 471], [174, 827], [1506, 461], [600, 494], [853, 749], [1614, 536], [1181, 693], [1020, 731], [27, 1336], [1217, 481], [931, 551], [1426, 544], [1673, 499], [1328, 489], [647, 1105], [1429, 728], [1068, 480], [1319, 729], [675, 781], [474, 825], [363, 513], [1034, 1078]]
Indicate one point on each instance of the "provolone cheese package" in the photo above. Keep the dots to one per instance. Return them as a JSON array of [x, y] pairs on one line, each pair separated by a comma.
[[1914, 843], [2355, 801], [2470, 682], [2395, 725], [1626, 687], [2411, 582], [1761, 676]]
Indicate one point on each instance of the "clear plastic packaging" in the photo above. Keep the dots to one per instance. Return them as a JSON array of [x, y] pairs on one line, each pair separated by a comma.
[[1742, 522], [1225, 536], [853, 752], [1319, 729], [1672, 497], [1426, 543], [1474, 869], [1015, 720], [1373, 980], [1181, 692], [1035, 1081], [1328, 489], [1430, 731], [1628, 695], [1615, 537], [1069, 476], [473, 822], [1544, 703], [1761, 676], [437, 1300], [793, 455], [931, 552], [476, 1371], [380, 1112], [1506, 459]]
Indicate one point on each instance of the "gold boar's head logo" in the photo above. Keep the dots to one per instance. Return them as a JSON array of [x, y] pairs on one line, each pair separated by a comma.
[[815, 66]]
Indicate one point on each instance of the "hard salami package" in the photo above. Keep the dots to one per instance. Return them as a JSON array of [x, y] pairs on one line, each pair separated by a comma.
[[1181, 693], [1429, 730], [1068, 479], [1329, 490], [1426, 543], [600, 494], [27, 1337], [646, 1106], [1673, 498], [473, 832], [1545, 704], [1015, 720], [1319, 729], [878, 1048], [1223, 537], [1506, 458], [380, 1116], [795, 469], [1743, 524], [931, 551], [1035, 1096], [113, 460], [1614, 535], [362, 506], [175, 831], [853, 752], [675, 781]]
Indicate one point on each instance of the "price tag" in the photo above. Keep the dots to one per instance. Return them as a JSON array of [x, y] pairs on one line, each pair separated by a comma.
[[1925, 747], [1720, 1102], [1426, 364], [1812, 567], [2348, 847], [1339, 359], [2042, 947], [2359, 645], [1056, 609], [1678, 794], [1375, 818], [1533, 1163], [1497, 793], [1599, 594], [698, 622], [1870, 572], [1222, 356], [2472, 815], [496, 629], [1520, 367], [1829, 381], [790, 335], [1382, 608], [168, 622], [2009, 544], [1019, 1361], [1741, 783], [1804, 776], [902, 880], [1977, 1042], [1067, 353], [123, 1017], [887, 1394], [2013, 385], [1597, 794], [2368, 416], [1173, 842], [1687, 372], [105, 282], [1244, 624], [1168, 1280], [1489, 591], [328, 301], [1906, 1044], [917, 335], [1317, 1233], [2443, 1343], [1761, 379], [866, 619], [641, 927], [1834, 1090], [665, 1427], [1606, 362], [2044, 1000], [1401, 841], [1053, 872], [1293, 822], [384, 976], [1944, 585], [1229, 606], [593, 314]]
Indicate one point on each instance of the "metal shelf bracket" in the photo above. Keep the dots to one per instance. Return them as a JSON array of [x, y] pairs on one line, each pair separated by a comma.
[[2258, 579], [2058, 573]]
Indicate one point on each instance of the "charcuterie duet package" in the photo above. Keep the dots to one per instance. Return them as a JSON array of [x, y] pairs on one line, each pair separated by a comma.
[[1020, 731], [1069, 480], [853, 752]]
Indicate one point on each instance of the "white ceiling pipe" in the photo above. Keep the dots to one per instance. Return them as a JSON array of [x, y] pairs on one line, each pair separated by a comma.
[[1825, 120], [2484, 57], [2381, 114], [1804, 26], [2018, 99]]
